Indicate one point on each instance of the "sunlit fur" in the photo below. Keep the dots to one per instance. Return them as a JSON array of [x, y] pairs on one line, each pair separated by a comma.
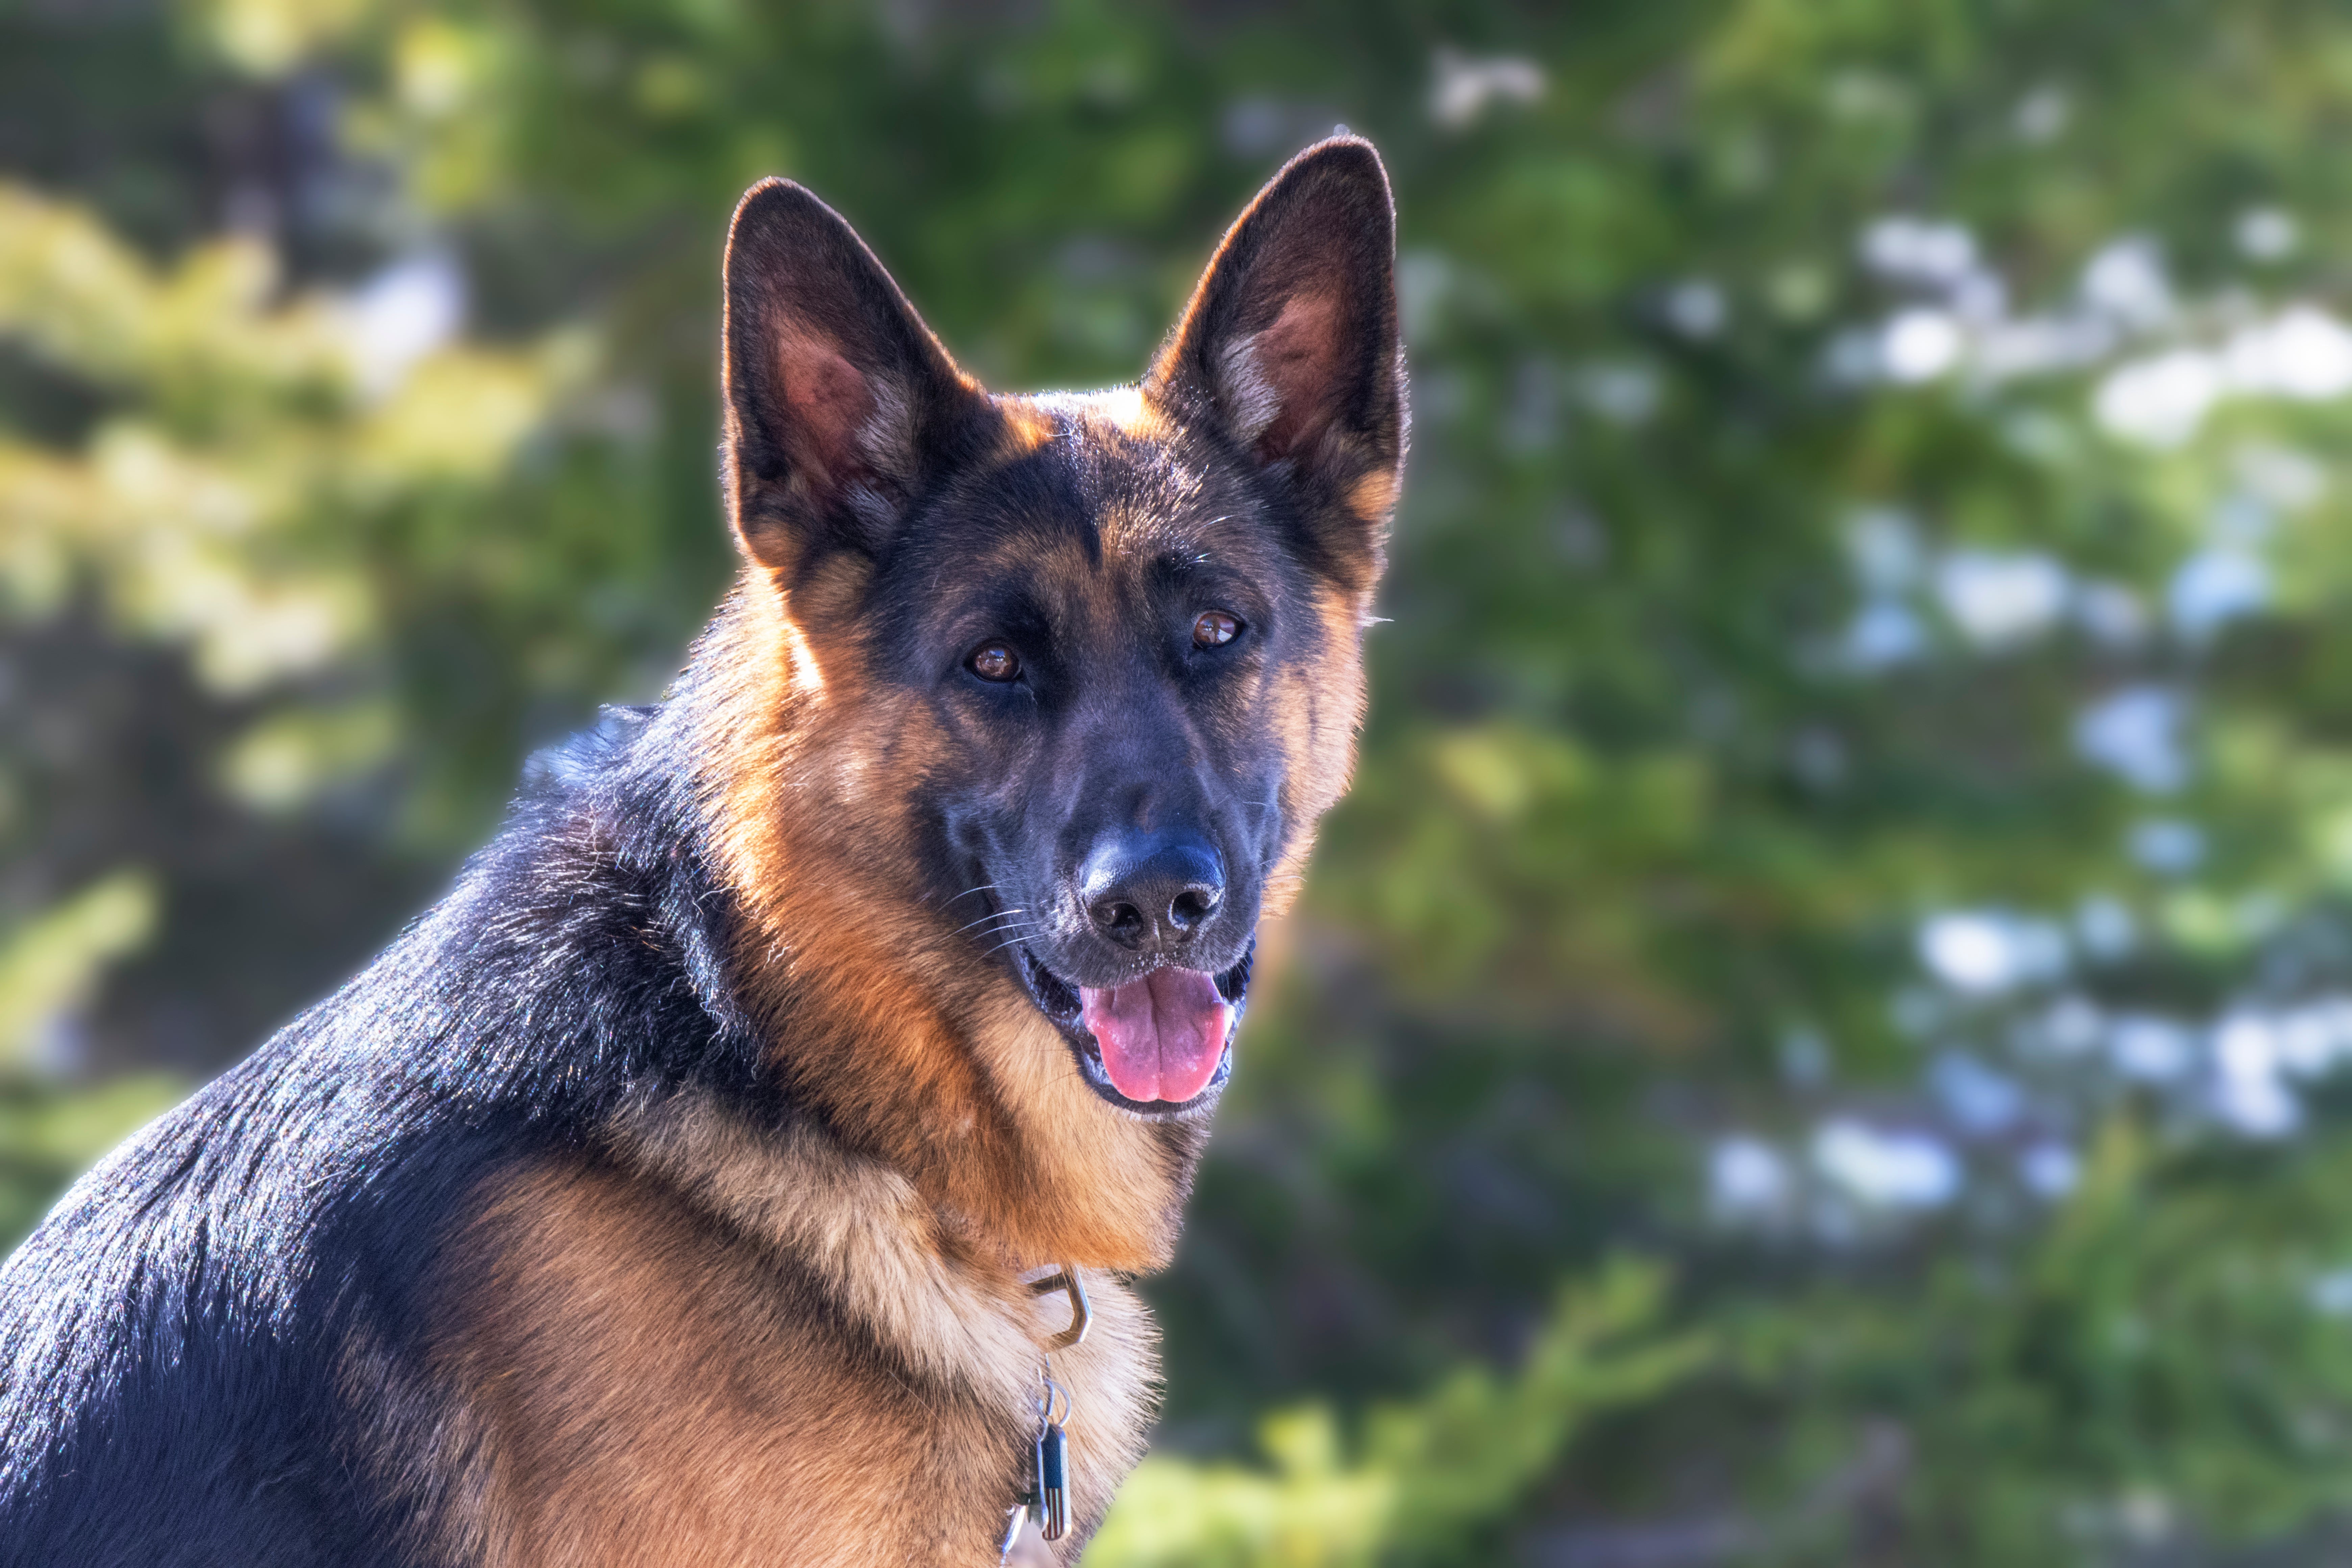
[[665, 1195]]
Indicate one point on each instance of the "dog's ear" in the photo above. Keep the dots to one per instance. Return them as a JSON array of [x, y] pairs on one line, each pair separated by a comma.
[[1290, 347], [839, 401]]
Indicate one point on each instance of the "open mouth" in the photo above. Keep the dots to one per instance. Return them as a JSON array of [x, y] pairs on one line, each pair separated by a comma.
[[1159, 1045]]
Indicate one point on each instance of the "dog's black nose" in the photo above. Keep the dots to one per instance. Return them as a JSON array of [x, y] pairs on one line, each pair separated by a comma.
[[1150, 891]]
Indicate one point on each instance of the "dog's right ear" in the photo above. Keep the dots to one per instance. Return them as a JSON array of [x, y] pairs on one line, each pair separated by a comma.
[[839, 400]]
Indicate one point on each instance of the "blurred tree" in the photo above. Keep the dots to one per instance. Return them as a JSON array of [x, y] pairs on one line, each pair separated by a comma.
[[1859, 803]]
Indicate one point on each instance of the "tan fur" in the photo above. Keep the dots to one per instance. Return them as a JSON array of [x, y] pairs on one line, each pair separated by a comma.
[[1373, 497], [936, 1070], [1028, 427], [651, 1395], [1131, 413], [1319, 707], [673, 1358], [961, 1319], [882, 1253]]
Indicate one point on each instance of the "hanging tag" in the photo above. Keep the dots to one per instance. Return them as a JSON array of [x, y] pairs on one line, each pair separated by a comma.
[[1053, 1510], [1047, 1501]]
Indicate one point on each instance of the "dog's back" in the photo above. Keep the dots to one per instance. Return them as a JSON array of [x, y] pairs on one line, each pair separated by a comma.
[[216, 1347], [142, 1394], [164, 1367]]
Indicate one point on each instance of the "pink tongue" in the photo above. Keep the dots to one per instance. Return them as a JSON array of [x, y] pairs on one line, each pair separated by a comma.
[[1162, 1036]]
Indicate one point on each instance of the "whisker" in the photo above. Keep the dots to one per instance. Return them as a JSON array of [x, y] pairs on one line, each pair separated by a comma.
[[1000, 947], [992, 915], [1012, 925], [1011, 933], [1015, 927], [1014, 932]]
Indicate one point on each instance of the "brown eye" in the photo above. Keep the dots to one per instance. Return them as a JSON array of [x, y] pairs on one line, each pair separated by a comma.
[[1214, 628], [993, 661]]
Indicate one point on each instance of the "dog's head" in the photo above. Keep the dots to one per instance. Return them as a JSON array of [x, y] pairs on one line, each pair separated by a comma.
[[1105, 648]]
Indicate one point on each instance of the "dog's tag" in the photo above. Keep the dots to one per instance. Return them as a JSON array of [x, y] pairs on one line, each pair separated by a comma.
[[1052, 1508]]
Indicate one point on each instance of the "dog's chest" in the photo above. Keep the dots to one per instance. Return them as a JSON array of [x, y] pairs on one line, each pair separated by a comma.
[[638, 1385]]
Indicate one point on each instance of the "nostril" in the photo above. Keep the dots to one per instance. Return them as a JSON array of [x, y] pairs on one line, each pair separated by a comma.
[[1193, 906], [1119, 919]]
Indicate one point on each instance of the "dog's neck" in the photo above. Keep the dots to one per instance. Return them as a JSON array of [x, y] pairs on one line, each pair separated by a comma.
[[914, 1049]]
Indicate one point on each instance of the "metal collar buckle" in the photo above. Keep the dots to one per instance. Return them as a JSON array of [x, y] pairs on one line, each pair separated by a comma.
[[1065, 1278]]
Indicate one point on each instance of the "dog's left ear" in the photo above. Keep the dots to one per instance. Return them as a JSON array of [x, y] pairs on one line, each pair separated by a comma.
[[1289, 347], [840, 402]]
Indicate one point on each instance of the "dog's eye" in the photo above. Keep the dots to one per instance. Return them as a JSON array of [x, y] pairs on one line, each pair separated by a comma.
[[1214, 628], [993, 661]]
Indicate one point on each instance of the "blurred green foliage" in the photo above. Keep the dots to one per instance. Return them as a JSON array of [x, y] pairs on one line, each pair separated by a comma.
[[1858, 809], [1434, 1478]]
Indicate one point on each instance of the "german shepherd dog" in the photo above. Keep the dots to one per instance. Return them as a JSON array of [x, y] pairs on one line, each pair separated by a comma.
[[672, 1192]]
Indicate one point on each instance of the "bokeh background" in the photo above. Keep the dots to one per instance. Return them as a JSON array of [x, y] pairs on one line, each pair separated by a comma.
[[1818, 1038]]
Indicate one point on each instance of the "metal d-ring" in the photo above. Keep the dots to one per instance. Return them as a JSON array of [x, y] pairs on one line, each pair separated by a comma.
[[1065, 1278], [1045, 1405]]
